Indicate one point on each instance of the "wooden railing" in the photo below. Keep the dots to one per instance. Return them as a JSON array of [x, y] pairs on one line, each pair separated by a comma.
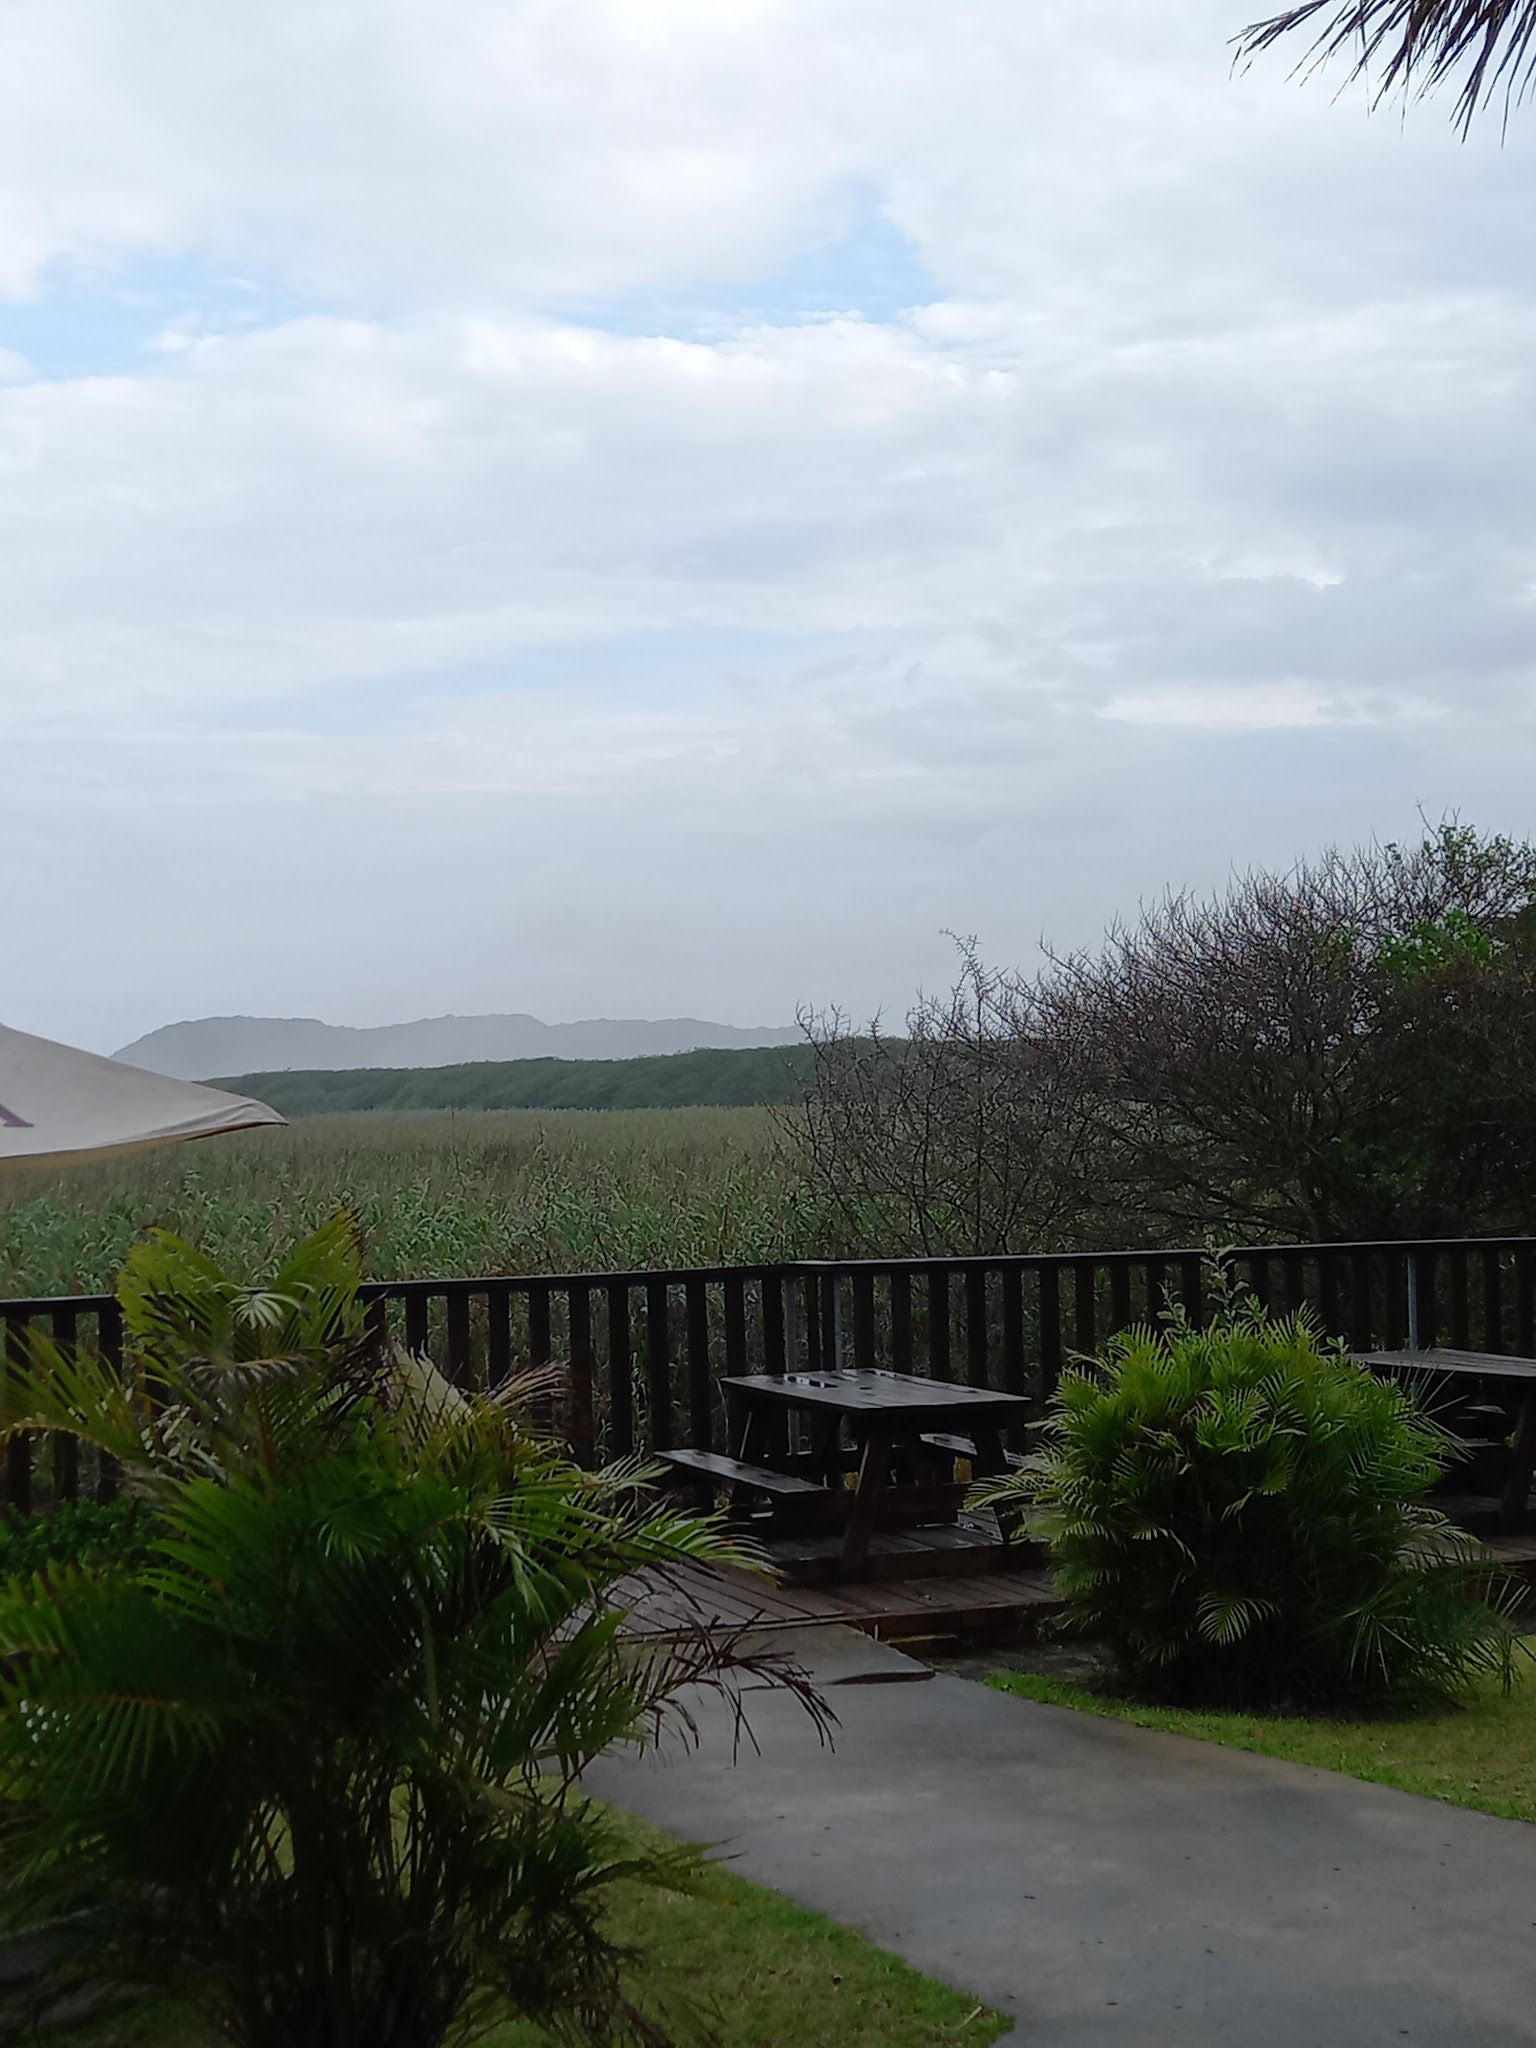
[[642, 1353]]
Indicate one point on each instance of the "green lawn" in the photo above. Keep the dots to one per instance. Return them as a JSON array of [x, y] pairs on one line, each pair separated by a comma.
[[742, 1968], [1481, 1755]]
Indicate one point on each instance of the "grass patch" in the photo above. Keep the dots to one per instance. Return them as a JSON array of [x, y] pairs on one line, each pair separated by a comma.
[[487, 1191], [1481, 1755], [741, 1968]]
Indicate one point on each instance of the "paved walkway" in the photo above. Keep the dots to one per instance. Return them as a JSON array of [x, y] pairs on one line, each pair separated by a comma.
[[1106, 1885]]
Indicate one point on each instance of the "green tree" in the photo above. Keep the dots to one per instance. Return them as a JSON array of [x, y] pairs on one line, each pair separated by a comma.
[[314, 1760], [1344, 1050]]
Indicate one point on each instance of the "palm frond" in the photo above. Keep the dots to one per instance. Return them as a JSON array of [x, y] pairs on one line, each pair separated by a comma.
[[74, 1391], [316, 1747], [1418, 45], [178, 1303]]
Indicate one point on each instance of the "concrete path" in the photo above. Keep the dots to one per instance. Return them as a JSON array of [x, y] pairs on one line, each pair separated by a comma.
[[1106, 1885]]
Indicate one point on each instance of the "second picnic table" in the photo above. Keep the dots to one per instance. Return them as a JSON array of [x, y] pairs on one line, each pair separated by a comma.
[[1515, 1376], [884, 1412]]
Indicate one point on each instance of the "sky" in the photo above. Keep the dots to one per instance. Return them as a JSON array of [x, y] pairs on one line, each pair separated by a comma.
[[652, 507]]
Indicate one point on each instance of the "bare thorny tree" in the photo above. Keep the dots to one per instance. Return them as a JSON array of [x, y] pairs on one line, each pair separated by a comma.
[[958, 1135], [1347, 1050]]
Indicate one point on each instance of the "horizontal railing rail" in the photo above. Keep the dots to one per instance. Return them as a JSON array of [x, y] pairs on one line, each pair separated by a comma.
[[642, 1353]]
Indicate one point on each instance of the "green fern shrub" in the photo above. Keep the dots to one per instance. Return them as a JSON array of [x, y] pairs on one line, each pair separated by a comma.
[[1240, 1514]]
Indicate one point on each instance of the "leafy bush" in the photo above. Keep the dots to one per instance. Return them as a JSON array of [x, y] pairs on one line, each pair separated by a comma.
[[314, 1762], [1240, 1514], [88, 1533]]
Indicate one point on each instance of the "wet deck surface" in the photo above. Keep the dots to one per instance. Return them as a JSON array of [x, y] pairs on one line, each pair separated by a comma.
[[931, 1586], [978, 1604]]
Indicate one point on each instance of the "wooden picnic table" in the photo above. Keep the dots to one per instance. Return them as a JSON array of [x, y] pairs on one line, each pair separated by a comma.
[[883, 1412], [1516, 1374]]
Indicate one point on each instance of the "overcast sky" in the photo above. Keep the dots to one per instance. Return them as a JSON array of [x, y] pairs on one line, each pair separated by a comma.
[[653, 506]]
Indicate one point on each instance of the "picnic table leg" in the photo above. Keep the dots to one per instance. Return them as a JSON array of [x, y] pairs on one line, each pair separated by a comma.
[[826, 1430], [991, 1462], [874, 1469], [738, 1418], [929, 1467], [747, 1451], [1517, 1488]]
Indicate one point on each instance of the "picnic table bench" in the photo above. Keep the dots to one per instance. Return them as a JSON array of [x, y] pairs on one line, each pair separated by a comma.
[[903, 1432]]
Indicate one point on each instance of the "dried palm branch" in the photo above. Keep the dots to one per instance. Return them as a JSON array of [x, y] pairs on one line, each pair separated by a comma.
[[1418, 45]]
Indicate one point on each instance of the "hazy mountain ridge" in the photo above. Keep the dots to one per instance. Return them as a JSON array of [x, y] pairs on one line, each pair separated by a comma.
[[200, 1047]]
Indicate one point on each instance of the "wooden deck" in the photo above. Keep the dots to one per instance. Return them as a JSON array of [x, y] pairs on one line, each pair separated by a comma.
[[961, 1548], [1517, 1554], [928, 1585], [957, 1594]]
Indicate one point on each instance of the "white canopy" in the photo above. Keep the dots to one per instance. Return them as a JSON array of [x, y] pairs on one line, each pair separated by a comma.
[[58, 1105]]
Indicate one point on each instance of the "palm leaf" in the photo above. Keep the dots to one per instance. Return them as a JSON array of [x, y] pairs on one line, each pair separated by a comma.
[[74, 1391], [1419, 44]]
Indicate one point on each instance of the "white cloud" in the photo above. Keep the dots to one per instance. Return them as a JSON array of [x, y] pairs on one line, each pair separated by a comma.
[[580, 148], [332, 503], [1283, 705], [423, 495], [466, 148]]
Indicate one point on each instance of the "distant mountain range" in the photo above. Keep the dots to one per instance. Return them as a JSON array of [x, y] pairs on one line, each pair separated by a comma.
[[206, 1046]]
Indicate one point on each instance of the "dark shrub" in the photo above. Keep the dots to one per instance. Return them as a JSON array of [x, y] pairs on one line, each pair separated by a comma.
[[87, 1532]]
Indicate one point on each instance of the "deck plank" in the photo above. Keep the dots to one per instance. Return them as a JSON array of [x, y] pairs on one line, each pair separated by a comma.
[[955, 1582], [955, 1604]]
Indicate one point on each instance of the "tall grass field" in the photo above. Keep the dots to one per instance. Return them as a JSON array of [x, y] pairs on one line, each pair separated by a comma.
[[516, 1191]]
